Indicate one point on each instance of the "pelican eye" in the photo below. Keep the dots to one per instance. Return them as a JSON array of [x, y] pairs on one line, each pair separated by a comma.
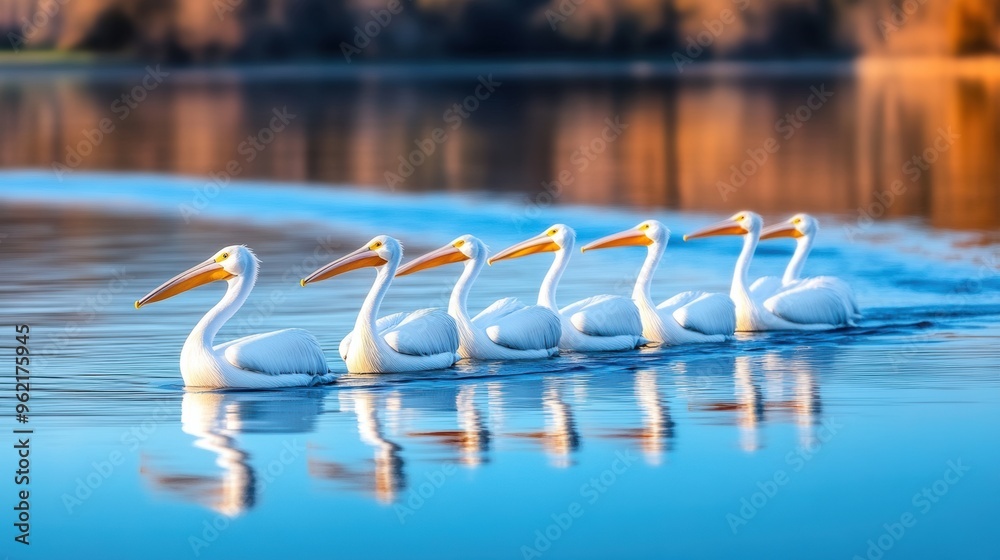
[[222, 257], [375, 245], [458, 243], [797, 221], [644, 227], [551, 232]]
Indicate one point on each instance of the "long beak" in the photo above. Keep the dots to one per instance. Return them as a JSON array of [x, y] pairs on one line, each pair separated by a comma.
[[725, 227], [784, 229], [198, 275], [627, 238], [445, 255], [538, 244], [358, 259]]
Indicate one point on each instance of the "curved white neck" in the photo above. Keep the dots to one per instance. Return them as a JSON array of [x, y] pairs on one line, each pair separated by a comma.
[[740, 275], [457, 304], [364, 326], [239, 288], [794, 270], [643, 283], [547, 294]]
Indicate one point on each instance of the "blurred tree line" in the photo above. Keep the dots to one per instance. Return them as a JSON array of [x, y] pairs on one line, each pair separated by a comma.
[[252, 30]]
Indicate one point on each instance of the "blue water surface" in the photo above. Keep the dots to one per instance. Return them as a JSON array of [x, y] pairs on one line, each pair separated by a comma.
[[876, 441]]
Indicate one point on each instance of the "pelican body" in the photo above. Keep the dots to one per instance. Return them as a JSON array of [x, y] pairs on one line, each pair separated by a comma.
[[506, 330], [803, 228], [598, 323], [685, 318], [285, 358], [794, 307], [423, 340]]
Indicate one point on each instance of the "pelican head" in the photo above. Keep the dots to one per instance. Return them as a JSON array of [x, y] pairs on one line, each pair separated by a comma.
[[646, 233], [555, 238], [799, 225], [740, 223], [228, 263], [378, 252], [464, 248]]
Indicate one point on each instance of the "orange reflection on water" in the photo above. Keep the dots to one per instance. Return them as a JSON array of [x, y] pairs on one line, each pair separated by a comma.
[[386, 477], [472, 440], [657, 427], [672, 143], [217, 419], [560, 438]]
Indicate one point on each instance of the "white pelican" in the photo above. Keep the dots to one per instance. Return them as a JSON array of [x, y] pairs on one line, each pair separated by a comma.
[[506, 330], [803, 228], [285, 358], [686, 317], [422, 340], [796, 307], [596, 323]]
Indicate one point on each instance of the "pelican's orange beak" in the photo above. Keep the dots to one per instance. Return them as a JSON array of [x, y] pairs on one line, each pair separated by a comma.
[[785, 229], [198, 275], [728, 226], [445, 255], [541, 243], [627, 238], [361, 258]]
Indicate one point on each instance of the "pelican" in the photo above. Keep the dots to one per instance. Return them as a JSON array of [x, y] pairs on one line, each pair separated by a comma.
[[285, 358], [596, 323], [796, 307], [686, 317], [803, 228], [422, 340], [506, 330]]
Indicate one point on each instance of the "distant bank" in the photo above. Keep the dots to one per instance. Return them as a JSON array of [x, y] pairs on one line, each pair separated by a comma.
[[28, 64]]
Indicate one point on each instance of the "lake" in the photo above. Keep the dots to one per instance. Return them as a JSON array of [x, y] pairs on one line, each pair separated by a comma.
[[872, 441]]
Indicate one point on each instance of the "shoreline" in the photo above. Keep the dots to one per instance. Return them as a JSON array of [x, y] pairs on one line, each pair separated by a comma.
[[550, 69]]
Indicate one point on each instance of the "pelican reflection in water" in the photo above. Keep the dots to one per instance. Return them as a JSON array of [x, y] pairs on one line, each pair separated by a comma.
[[386, 477], [750, 407], [752, 404], [700, 380], [657, 426], [216, 419], [560, 439], [803, 403], [471, 440]]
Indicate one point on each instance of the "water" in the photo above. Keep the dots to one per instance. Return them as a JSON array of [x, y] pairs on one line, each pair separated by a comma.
[[681, 136], [775, 445]]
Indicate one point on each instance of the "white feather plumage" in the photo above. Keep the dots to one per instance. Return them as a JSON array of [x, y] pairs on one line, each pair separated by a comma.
[[600, 323], [805, 228], [422, 340], [687, 317], [286, 358], [766, 306], [507, 329]]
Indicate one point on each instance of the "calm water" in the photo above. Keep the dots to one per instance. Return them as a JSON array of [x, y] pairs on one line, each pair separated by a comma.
[[772, 446], [827, 437], [674, 142]]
